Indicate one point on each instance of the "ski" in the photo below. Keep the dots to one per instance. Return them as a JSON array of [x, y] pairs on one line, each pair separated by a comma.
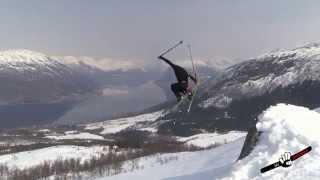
[[292, 158], [192, 98], [196, 76], [176, 106]]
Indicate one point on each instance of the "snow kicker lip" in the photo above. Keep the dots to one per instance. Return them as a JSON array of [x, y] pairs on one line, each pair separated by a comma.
[[293, 157]]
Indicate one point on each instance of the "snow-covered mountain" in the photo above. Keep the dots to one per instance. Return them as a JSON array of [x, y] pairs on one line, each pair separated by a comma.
[[32, 82], [234, 99], [32, 77], [264, 74]]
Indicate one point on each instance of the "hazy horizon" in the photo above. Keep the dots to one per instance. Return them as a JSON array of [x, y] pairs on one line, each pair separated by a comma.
[[140, 30]]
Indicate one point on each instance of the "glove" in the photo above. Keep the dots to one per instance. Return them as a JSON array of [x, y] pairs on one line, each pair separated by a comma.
[[285, 160]]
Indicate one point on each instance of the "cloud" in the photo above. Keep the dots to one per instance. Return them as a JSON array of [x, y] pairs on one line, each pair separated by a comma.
[[106, 64]]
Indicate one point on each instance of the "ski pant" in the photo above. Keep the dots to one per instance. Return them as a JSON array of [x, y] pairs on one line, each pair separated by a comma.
[[179, 89]]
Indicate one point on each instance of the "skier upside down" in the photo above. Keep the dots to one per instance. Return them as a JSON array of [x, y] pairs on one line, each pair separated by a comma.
[[181, 88]]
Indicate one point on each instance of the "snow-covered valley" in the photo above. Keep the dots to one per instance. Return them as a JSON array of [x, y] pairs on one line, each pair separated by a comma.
[[284, 128]]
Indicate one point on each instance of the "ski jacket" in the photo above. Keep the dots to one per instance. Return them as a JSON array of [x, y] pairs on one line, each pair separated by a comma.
[[181, 74]]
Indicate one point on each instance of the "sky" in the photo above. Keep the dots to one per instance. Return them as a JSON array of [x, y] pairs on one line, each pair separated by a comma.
[[141, 29]]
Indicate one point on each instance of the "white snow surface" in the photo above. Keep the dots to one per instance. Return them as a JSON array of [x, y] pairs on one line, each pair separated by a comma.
[[220, 101], [45, 130], [28, 159], [117, 125], [205, 140], [82, 135], [22, 60], [317, 109], [307, 51], [286, 128], [186, 165], [22, 55]]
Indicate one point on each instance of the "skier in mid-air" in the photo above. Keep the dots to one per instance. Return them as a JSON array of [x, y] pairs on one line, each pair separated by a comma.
[[181, 88]]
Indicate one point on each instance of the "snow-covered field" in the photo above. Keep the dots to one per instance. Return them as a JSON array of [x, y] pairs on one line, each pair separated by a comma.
[[286, 128], [36, 157], [197, 164], [209, 139], [117, 125], [83, 135]]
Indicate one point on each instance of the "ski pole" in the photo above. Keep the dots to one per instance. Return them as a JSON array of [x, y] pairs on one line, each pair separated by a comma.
[[292, 158], [173, 47], [193, 66]]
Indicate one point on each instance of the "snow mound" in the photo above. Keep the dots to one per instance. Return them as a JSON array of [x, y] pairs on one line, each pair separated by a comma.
[[284, 128]]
